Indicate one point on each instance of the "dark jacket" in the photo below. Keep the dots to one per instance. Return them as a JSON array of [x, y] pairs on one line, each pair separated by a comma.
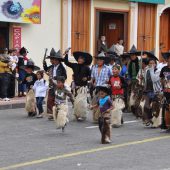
[[31, 81], [80, 71], [133, 74], [61, 71]]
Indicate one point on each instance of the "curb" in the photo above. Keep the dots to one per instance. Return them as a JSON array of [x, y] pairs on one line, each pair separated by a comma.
[[12, 106]]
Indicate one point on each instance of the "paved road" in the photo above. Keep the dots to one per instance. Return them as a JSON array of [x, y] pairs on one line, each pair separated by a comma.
[[35, 144]]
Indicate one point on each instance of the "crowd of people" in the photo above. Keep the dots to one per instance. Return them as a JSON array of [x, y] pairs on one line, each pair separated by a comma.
[[117, 82]]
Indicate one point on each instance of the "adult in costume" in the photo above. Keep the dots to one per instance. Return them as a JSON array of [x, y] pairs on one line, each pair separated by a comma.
[[55, 70], [22, 60], [152, 89], [165, 79], [5, 77], [100, 77]]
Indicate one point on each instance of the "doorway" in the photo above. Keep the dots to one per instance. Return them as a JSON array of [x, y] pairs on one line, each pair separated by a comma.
[[4, 36], [164, 41], [113, 25]]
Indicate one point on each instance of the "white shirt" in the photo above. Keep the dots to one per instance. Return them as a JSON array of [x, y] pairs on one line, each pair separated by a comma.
[[55, 70], [119, 49], [13, 59], [40, 87]]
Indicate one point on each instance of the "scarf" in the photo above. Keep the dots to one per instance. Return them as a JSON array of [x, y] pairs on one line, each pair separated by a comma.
[[102, 101]]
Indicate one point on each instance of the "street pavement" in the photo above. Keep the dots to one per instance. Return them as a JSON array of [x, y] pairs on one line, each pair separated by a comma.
[[35, 144]]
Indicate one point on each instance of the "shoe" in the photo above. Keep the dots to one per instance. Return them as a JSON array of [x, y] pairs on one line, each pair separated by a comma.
[[20, 95], [6, 99], [50, 118], [39, 116], [80, 119], [107, 140]]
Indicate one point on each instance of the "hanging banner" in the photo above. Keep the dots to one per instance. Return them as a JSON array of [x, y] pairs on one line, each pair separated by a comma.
[[150, 1], [17, 38], [20, 11]]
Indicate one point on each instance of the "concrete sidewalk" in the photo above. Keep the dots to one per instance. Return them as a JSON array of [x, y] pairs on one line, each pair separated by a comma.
[[16, 102]]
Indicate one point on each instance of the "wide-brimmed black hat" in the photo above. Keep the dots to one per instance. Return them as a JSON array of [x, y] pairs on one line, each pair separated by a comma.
[[166, 55], [151, 55], [55, 55], [145, 61], [134, 51], [30, 64], [23, 50], [104, 89], [87, 57]]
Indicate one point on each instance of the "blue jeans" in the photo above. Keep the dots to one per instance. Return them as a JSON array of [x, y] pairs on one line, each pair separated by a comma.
[[21, 87], [40, 104]]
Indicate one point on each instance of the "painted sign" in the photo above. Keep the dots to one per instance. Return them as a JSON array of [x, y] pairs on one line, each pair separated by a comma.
[[150, 1], [17, 37], [20, 11]]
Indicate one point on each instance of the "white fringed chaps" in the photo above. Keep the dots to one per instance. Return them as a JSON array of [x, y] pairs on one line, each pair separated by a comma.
[[60, 115], [30, 105], [80, 103], [116, 113]]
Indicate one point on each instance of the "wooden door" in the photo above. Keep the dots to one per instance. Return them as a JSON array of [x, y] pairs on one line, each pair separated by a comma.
[[146, 26], [112, 26], [80, 25], [164, 41]]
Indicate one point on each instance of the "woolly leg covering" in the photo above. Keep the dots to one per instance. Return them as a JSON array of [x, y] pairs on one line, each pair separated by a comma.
[[106, 131]]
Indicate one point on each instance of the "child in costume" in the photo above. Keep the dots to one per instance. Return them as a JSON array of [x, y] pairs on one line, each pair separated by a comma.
[[105, 106], [29, 80], [117, 84], [60, 110], [40, 88]]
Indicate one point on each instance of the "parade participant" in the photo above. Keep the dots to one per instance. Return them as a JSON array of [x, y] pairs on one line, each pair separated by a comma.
[[60, 110], [30, 76], [100, 72], [29, 80], [133, 69], [82, 75], [124, 73], [141, 73], [22, 60], [134, 64], [80, 69], [152, 87], [99, 77], [55, 70], [40, 88], [119, 48], [165, 79], [102, 45], [112, 61], [105, 105], [5, 77], [117, 84]]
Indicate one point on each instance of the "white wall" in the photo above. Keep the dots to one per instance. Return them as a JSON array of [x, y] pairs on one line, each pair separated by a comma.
[[46, 35]]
